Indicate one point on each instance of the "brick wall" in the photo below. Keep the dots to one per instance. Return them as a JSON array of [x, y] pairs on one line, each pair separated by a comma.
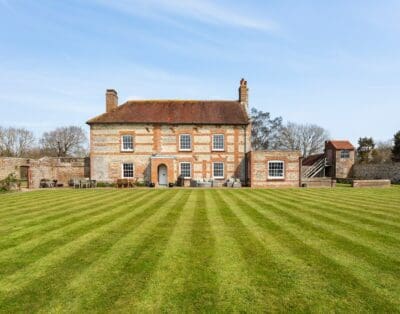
[[258, 168], [60, 169], [149, 140], [377, 171], [344, 165]]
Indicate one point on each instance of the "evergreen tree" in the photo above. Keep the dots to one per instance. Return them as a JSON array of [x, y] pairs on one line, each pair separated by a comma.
[[396, 148], [365, 147]]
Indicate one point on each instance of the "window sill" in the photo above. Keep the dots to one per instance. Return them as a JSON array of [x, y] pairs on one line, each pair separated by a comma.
[[127, 151], [276, 179], [185, 150], [218, 150]]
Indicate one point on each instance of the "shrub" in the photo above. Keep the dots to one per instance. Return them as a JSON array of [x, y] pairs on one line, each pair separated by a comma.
[[105, 185], [9, 183]]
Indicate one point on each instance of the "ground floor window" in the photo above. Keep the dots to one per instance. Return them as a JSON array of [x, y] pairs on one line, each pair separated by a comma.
[[276, 169], [186, 170], [127, 170], [218, 170]]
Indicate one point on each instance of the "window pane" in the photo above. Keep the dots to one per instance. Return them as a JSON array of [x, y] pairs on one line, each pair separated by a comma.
[[185, 142], [186, 169], [275, 169], [345, 154], [127, 142], [218, 142], [128, 170], [218, 169]]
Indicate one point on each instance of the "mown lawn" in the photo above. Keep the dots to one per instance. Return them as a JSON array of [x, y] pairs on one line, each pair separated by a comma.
[[314, 250]]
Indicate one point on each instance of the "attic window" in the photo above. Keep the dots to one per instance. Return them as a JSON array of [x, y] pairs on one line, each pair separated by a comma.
[[345, 153]]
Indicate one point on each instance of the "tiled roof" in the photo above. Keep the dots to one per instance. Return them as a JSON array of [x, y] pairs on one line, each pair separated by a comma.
[[341, 144], [176, 112]]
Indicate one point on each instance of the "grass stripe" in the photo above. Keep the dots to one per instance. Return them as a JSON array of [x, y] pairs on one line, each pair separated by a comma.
[[167, 283], [200, 287], [324, 213], [38, 204], [357, 257], [127, 266], [384, 242], [237, 293], [270, 278], [49, 276], [91, 209], [345, 287], [31, 213], [360, 250], [365, 209], [385, 225], [41, 246], [353, 197], [54, 222]]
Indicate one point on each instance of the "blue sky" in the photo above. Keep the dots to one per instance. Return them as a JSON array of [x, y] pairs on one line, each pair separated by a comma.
[[333, 63]]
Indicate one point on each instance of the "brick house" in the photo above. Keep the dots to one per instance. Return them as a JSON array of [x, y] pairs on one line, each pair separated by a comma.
[[340, 157], [163, 141]]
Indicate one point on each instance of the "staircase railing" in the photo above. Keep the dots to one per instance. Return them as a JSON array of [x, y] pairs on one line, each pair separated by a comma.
[[316, 168]]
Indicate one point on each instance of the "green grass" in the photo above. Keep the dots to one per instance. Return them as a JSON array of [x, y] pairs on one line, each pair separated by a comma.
[[170, 250]]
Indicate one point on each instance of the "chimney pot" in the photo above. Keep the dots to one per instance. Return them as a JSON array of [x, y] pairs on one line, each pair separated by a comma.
[[111, 100]]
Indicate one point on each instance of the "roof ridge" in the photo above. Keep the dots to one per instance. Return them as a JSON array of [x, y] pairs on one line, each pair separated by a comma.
[[181, 100]]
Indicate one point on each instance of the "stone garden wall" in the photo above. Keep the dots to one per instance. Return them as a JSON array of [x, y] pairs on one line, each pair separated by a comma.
[[60, 169], [377, 171]]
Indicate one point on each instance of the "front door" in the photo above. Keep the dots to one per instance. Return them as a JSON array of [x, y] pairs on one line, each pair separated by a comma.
[[162, 175]]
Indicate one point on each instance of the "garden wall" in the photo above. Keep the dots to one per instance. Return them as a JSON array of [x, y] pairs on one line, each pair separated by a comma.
[[318, 182], [33, 170], [377, 171]]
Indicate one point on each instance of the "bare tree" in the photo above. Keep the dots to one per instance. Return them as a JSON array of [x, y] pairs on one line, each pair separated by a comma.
[[64, 141], [308, 138], [264, 130], [382, 153], [16, 142]]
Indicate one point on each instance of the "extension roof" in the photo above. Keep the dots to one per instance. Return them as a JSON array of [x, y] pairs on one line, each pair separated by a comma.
[[341, 145], [312, 159], [176, 112]]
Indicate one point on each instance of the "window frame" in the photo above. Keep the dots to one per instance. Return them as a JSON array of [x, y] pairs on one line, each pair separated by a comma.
[[271, 177], [223, 170], [180, 142], [213, 148], [347, 154], [123, 170], [122, 143], [190, 169]]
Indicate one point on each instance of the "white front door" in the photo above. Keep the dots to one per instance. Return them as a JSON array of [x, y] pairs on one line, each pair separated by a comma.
[[162, 175]]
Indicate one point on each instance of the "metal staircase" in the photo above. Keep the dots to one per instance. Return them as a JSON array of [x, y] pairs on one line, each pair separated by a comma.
[[315, 169]]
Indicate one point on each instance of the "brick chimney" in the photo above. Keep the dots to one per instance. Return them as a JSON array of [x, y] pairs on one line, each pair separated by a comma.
[[244, 93], [111, 100]]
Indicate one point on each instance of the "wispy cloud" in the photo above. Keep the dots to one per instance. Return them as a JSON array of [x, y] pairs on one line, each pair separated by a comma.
[[203, 11]]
